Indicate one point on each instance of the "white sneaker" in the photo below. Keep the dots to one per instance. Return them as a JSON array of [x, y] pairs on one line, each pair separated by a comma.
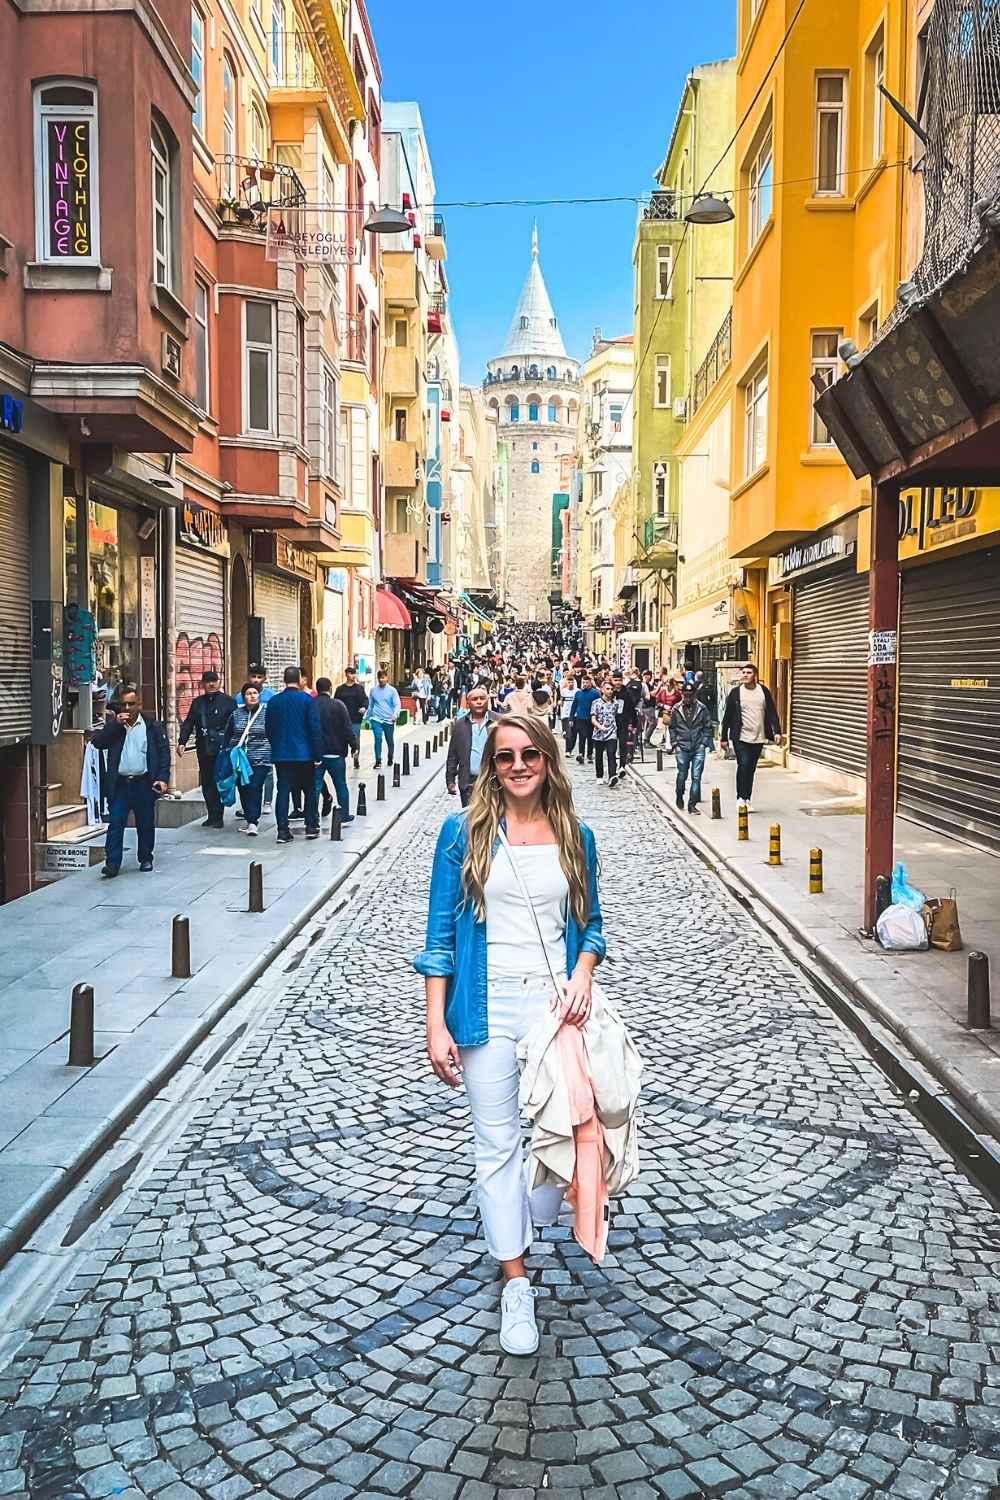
[[518, 1330], [267, 807], [251, 829]]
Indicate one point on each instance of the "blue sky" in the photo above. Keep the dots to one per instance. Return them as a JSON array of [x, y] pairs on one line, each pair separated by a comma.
[[528, 99]]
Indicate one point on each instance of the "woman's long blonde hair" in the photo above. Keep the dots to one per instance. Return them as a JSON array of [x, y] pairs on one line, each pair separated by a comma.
[[486, 809]]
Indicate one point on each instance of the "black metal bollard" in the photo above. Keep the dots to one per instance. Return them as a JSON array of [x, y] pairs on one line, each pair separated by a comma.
[[979, 992], [416, 756], [406, 759], [427, 750], [180, 948], [362, 802], [380, 788], [335, 832], [256, 886], [659, 760], [81, 1027], [395, 776]]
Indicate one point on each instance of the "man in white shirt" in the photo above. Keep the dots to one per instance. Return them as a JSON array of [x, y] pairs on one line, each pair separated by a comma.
[[468, 740], [138, 773], [750, 721]]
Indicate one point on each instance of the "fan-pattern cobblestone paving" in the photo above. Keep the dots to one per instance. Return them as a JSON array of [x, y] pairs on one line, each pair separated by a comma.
[[801, 1294]]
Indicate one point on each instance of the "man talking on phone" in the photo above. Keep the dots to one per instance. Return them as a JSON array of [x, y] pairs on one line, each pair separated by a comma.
[[138, 773]]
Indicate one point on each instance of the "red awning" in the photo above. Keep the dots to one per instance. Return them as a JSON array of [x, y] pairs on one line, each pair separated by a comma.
[[390, 612]]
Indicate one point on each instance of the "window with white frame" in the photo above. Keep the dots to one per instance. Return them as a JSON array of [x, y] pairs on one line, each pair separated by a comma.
[[229, 138], [67, 199], [597, 485], [616, 415], [831, 120], [660, 480], [755, 420], [664, 271], [278, 40], [328, 187], [163, 217], [760, 184], [258, 133], [258, 366], [198, 67], [824, 364], [874, 79], [661, 381], [202, 355], [329, 422]]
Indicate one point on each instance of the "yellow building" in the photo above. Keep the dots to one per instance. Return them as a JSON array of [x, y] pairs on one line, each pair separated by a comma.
[[818, 259]]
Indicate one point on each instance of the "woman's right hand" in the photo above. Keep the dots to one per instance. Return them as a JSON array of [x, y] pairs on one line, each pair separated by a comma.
[[444, 1055]]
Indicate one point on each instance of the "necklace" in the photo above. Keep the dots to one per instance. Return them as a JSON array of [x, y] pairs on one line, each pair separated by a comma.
[[521, 839]]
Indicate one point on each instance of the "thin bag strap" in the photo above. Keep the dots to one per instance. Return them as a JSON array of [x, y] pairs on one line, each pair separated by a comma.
[[246, 732], [559, 983]]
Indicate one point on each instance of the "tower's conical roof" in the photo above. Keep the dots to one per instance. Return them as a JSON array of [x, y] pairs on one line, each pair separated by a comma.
[[534, 328]]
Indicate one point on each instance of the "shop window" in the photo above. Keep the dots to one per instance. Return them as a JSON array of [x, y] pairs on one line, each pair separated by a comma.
[[67, 195], [258, 366], [202, 355]]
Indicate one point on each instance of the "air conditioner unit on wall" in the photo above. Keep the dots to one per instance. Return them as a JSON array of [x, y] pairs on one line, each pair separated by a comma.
[[680, 409]]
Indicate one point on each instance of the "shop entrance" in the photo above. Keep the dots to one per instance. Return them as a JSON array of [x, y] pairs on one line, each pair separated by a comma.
[[239, 613]]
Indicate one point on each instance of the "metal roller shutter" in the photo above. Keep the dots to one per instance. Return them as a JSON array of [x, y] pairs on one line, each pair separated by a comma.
[[200, 609], [949, 726], [277, 599], [830, 671], [15, 600]]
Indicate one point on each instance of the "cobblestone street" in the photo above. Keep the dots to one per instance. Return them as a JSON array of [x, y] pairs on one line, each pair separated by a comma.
[[800, 1296]]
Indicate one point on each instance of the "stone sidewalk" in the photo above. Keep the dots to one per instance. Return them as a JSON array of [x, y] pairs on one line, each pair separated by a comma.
[[921, 997], [116, 936]]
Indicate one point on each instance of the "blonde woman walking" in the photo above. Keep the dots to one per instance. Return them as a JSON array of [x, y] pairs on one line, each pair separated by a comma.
[[487, 978]]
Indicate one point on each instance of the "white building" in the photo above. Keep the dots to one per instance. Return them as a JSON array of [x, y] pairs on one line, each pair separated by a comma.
[[606, 467]]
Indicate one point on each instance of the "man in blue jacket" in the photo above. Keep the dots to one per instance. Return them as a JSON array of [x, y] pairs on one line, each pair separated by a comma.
[[293, 727]]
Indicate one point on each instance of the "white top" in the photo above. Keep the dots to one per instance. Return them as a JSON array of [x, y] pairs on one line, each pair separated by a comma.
[[752, 708], [512, 947], [133, 757]]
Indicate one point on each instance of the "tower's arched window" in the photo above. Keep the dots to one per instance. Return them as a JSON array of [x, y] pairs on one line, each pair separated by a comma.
[[533, 412], [514, 372], [533, 372], [536, 467], [550, 373], [524, 322], [553, 412]]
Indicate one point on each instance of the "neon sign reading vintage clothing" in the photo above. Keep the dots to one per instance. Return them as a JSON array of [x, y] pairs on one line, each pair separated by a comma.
[[69, 173]]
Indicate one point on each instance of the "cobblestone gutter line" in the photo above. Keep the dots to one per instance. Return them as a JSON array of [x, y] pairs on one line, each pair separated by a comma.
[[967, 1120]]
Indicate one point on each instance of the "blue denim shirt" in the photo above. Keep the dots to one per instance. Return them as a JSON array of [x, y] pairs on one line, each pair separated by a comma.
[[456, 941]]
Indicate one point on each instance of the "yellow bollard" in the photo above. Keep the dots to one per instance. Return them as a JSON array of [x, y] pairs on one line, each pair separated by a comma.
[[774, 849], [743, 825], [716, 803], [815, 872]]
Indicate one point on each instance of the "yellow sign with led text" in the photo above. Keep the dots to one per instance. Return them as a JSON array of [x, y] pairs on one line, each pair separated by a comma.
[[932, 520]]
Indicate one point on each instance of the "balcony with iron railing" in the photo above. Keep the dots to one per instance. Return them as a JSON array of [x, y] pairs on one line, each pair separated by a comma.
[[715, 362], [661, 205], [248, 188], [291, 65]]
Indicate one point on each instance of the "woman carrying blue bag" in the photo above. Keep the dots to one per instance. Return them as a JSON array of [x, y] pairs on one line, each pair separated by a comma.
[[249, 751]]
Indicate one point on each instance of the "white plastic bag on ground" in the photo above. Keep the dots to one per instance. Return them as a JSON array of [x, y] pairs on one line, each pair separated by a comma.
[[901, 928]]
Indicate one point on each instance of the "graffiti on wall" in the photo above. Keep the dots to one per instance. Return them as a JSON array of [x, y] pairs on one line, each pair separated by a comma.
[[193, 654]]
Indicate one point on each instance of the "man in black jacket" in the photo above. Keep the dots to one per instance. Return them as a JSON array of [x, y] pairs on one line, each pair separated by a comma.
[[138, 772], [208, 719], [465, 748], [339, 738], [354, 698], [750, 720]]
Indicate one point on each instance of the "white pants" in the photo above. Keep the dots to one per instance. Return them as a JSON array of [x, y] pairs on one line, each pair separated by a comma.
[[509, 1212]]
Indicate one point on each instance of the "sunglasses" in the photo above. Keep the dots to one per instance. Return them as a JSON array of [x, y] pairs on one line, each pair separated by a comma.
[[530, 758]]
